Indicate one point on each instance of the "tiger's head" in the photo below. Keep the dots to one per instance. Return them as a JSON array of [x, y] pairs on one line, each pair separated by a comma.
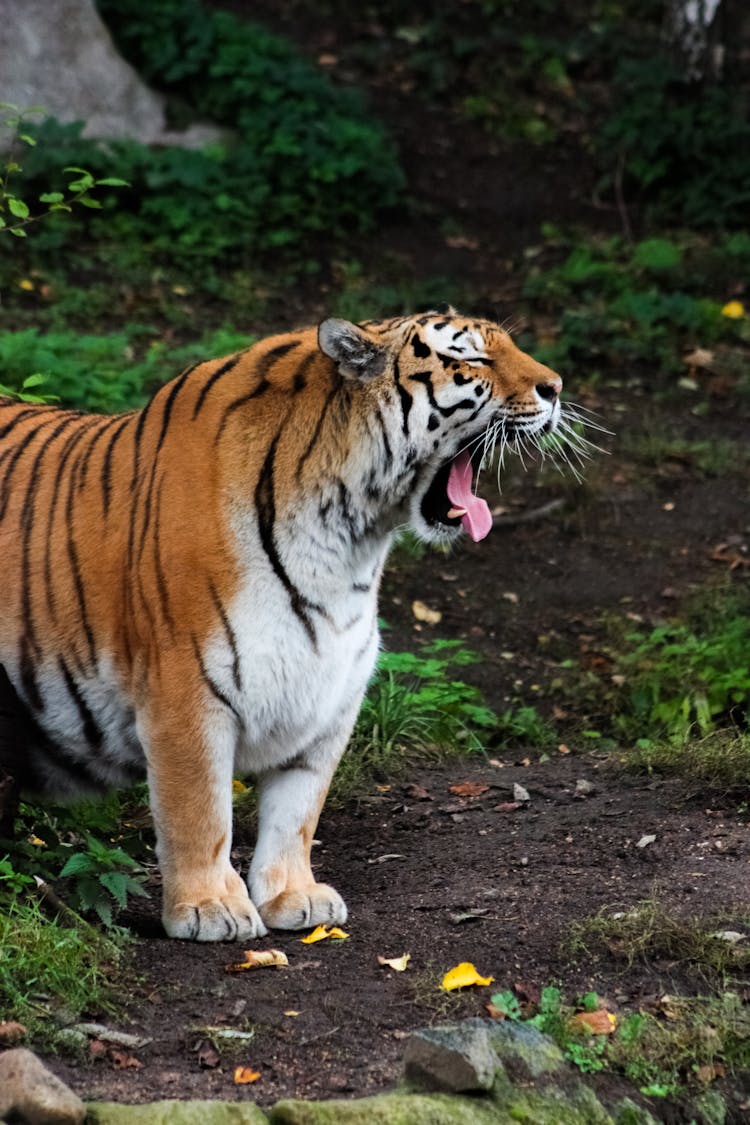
[[448, 389]]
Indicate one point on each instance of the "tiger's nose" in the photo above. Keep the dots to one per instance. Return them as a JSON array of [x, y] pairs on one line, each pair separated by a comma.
[[549, 391]]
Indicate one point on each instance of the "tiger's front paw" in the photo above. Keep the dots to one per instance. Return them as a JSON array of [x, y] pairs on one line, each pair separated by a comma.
[[228, 918], [298, 910]]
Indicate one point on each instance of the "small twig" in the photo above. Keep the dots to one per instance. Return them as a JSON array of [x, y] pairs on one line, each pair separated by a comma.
[[50, 898], [622, 207], [529, 517]]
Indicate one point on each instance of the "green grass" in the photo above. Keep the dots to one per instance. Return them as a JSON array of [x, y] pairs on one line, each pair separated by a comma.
[[666, 453], [49, 971], [649, 933]]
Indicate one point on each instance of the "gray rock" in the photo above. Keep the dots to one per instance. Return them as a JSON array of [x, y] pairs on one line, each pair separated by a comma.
[[523, 1051], [61, 56], [459, 1059], [172, 1112], [628, 1113], [33, 1095]]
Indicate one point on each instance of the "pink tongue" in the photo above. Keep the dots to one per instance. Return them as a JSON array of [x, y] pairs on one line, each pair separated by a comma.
[[478, 518]]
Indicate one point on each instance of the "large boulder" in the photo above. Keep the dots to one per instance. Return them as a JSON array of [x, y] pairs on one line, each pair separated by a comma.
[[61, 56]]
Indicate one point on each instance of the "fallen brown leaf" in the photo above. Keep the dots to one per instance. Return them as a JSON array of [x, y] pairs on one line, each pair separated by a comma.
[[709, 1072], [11, 1032], [599, 1022], [121, 1060], [469, 789], [259, 959], [418, 793], [423, 612]]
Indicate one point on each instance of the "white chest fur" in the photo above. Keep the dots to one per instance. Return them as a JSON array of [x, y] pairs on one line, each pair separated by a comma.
[[304, 651]]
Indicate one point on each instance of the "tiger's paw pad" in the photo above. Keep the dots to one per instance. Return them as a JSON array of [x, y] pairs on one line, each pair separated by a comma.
[[298, 910], [215, 919]]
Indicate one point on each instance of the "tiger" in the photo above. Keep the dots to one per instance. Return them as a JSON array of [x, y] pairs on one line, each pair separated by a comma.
[[190, 590]]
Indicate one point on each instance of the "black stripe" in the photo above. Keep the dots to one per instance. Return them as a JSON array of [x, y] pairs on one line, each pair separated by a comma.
[[107, 424], [425, 378], [404, 396], [91, 730], [260, 389], [28, 677], [13, 460], [27, 413], [161, 581], [27, 525], [75, 565], [386, 443], [106, 473], [266, 508], [212, 687], [420, 349], [140, 427], [230, 636], [222, 370], [68, 446], [175, 389], [319, 424]]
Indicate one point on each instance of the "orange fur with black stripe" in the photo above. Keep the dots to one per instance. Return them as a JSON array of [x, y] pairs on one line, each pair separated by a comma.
[[190, 590]]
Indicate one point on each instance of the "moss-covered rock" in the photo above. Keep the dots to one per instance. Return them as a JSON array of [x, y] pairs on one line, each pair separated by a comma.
[[176, 1113]]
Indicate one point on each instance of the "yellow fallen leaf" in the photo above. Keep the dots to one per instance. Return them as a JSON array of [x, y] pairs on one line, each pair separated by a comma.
[[36, 842], [600, 1022], [320, 933], [260, 959], [733, 309], [238, 786], [462, 976], [291, 1012], [398, 964], [243, 1074], [423, 612]]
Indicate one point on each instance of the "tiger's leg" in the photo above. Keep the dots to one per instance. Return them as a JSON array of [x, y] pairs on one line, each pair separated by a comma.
[[289, 803], [190, 754]]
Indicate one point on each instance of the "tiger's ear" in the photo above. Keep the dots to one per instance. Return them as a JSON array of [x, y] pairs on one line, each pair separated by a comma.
[[357, 356]]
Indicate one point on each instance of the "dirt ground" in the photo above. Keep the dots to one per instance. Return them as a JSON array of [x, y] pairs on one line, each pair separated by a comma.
[[424, 870], [449, 878]]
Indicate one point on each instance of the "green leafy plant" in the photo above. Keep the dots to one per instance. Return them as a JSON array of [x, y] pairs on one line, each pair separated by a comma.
[[680, 680], [15, 211], [91, 850], [101, 874], [661, 1055], [415, 709]]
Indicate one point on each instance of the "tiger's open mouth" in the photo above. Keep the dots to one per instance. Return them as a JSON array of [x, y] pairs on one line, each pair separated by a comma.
[[451, 499]]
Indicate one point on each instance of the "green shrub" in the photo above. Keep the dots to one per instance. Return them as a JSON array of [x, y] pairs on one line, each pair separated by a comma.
[[101, 373], [639, 305], [684, 147], [303, 158], [689, 676], [681, 681]]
